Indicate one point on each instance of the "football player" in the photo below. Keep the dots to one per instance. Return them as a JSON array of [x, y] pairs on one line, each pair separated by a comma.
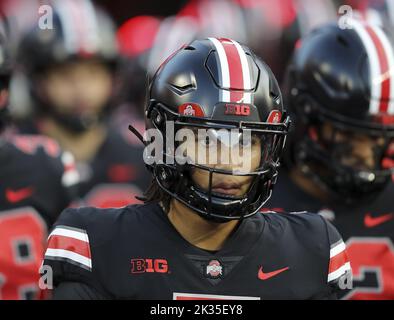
[[200, 234], [37, 182], [71, 73], [341, 90]]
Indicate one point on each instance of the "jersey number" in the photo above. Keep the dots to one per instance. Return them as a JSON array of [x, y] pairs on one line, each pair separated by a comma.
[[372, 261], [23, 237]]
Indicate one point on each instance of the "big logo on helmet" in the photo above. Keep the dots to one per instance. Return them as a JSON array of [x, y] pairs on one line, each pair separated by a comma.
[[237, 109]]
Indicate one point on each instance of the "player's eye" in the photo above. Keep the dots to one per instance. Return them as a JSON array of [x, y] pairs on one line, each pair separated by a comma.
[[246, 141]]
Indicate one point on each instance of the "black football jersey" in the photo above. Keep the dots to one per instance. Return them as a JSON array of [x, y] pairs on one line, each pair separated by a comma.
[[116, 174], [366, 227], [37, 181], [136, 253]]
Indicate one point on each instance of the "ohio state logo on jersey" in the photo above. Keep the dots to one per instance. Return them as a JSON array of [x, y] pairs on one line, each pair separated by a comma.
[[214, 269]]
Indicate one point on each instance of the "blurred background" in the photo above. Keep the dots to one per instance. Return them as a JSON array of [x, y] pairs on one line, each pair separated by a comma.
[[75, 72]]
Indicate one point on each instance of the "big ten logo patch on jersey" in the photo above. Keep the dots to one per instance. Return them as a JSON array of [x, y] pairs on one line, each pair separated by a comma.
[[139, 266]]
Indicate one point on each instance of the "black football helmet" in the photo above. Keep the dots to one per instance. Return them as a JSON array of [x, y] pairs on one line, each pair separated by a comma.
[[342, 77], [218, 84], [80, 31]]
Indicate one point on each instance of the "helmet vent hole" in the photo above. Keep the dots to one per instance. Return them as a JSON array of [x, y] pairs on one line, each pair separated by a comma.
[[190, 48], [181, 90], [274, 95]]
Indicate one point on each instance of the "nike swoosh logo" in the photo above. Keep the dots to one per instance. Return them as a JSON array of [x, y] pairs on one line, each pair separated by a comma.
[[265, 276], [14, 196], [371, 222]]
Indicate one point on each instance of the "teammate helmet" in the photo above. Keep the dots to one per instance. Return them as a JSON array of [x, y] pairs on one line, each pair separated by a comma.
[[79, 31], [342, 77], [218, 84]]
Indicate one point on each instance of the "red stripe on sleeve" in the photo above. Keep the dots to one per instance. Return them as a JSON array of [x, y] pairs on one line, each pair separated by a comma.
[[338, 261], [69, 244]]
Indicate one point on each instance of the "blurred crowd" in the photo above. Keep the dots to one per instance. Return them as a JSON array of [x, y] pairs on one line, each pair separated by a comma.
[[71, 81]]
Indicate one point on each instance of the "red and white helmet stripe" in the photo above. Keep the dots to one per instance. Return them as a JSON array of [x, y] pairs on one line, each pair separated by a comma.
[[80, 25], [234, 71], [381, 61]]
